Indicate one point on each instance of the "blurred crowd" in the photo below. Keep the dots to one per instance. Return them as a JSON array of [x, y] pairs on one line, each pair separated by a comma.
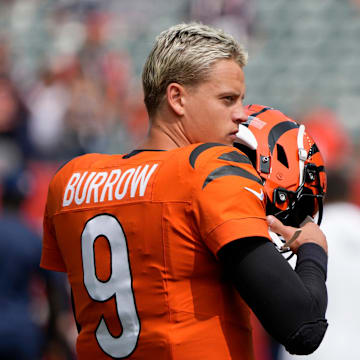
[[76, 102], [69, 85]]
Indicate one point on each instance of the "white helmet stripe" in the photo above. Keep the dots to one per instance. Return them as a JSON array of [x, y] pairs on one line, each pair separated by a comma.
[[302, 152]]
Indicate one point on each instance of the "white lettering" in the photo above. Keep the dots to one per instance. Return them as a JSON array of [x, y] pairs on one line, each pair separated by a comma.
[[143, 179], [70, 189], [79, 200], [109, 185], [112, 186], [128, 172], [94, 186]]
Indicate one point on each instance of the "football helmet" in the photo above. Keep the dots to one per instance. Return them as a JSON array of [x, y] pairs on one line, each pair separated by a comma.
[[288, 161]]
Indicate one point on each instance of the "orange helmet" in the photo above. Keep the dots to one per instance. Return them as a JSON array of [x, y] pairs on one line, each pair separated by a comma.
[[288, 161]]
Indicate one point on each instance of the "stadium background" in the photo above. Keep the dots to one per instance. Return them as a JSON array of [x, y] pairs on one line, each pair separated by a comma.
[[70, 77]]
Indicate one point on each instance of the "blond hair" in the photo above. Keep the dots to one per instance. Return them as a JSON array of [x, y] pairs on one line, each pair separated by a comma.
[[184, 54]]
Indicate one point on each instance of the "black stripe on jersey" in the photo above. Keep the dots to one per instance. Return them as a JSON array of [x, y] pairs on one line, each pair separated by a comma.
[[313, 150], [278, 130], [135, 152], [236, 157], [230, 170], [199, 149]]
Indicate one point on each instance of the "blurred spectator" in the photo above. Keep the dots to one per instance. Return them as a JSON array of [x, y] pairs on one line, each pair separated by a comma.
[[15, 143], [330, 136], [31, 300], [87, 119], [48, 103], [81, 100], [341, 226]]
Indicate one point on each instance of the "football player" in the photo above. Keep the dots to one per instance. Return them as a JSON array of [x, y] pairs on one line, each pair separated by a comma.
[[167, 246]]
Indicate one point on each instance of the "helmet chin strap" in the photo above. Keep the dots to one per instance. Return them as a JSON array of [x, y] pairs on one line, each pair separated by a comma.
[[246, 137], [302, 153]]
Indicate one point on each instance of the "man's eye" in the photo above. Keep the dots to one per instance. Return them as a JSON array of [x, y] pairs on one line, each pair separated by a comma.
[[229, 99]]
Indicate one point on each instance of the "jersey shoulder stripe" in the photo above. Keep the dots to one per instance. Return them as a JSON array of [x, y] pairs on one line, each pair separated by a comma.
[[199, 149], [230, 170], [235, 156], [222, 161]]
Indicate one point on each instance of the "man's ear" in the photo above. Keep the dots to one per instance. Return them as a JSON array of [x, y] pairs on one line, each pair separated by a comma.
[[175, 97]]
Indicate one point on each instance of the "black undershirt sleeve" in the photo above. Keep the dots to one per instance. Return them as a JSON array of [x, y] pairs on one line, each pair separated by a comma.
[[290, 304]]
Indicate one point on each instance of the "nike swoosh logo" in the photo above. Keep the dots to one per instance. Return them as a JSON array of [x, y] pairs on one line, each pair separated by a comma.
[[259, 195]]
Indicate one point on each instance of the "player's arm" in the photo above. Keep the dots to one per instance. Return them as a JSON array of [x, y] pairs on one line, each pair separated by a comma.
[[290, 304]]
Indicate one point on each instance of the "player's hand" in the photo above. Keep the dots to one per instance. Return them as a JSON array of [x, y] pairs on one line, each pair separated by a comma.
[[310, 233]]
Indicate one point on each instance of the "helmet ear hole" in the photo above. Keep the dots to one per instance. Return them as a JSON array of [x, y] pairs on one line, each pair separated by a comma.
[[310, 173], [281, 155]]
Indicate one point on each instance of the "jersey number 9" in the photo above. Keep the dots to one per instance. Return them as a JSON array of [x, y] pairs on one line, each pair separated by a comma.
[[119, 284]]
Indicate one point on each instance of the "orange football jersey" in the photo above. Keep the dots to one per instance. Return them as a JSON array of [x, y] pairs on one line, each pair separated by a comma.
[[138, 237]]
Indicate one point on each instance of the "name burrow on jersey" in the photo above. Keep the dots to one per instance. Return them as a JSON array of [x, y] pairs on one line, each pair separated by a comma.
[[100, 186]]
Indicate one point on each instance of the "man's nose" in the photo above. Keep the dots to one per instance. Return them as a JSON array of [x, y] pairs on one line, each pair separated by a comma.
[[240, 115]]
